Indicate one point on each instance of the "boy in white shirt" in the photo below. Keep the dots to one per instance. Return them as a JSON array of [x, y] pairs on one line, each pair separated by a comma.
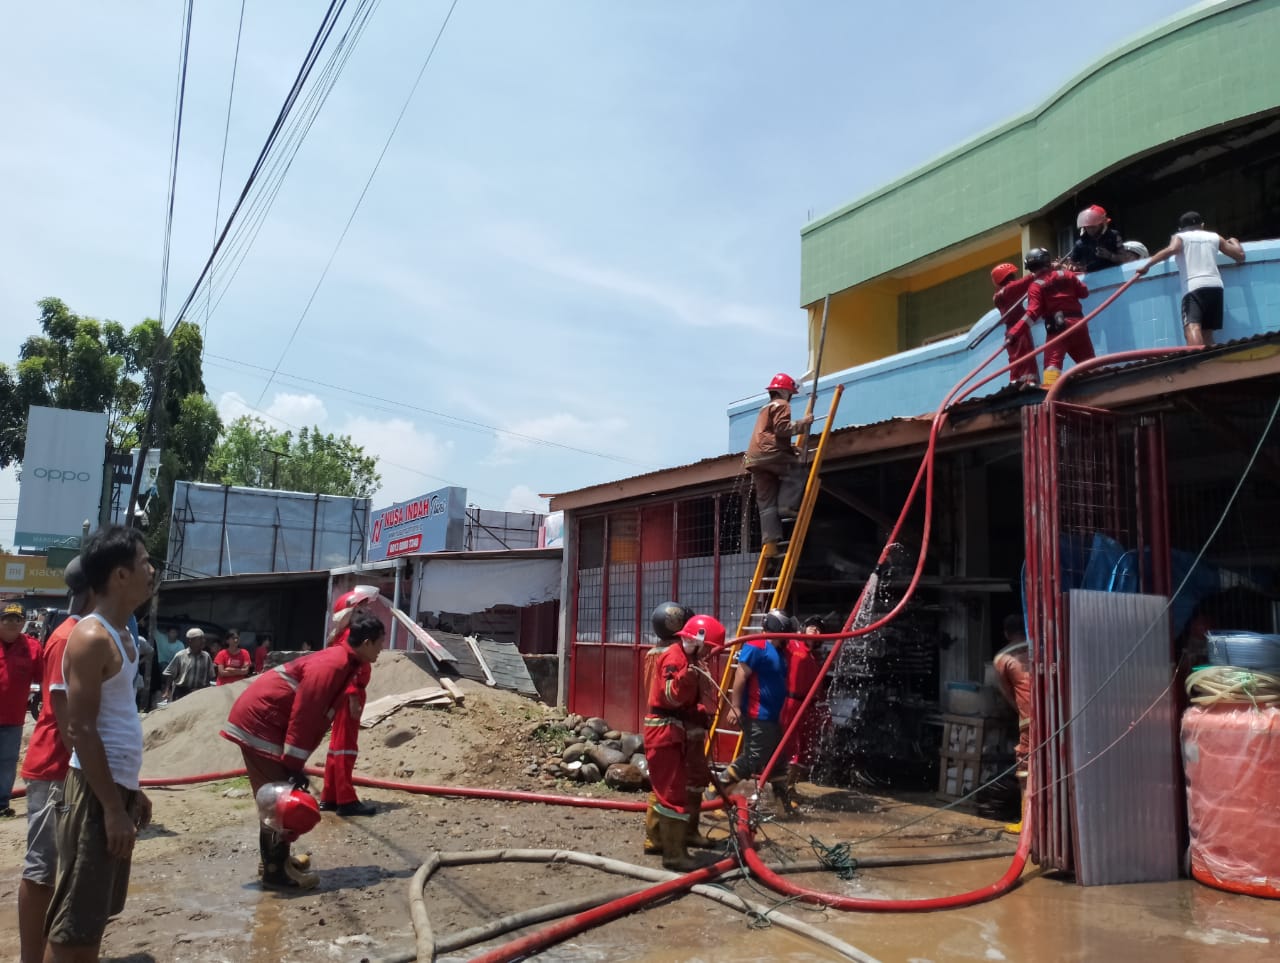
[[1196, 250]]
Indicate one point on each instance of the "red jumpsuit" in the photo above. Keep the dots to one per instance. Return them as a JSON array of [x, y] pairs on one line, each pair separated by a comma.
[[280, 719], [1054, 294], [344, 741], [673, 708], [802, 671], [1017, 339]]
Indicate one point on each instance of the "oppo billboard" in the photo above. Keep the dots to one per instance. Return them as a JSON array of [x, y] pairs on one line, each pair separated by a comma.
[[61, 475]]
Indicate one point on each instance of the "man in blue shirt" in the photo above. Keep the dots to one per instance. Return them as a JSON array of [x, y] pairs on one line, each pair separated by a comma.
[[756, 698]]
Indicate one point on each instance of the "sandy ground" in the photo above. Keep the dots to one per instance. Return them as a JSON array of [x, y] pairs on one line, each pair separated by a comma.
[[194, 896]]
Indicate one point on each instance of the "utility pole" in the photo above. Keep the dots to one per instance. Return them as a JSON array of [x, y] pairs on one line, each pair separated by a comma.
[[275, 465]]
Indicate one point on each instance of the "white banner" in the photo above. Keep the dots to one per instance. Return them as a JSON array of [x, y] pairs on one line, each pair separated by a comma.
[[61, 482]]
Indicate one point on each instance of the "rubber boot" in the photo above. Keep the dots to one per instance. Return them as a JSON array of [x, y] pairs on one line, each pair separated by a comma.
[[794, 775], [782, 794], [279, 870], [1016, 828], [692, 837], [652, 835], [770, 526], [675, 857], [1050, 376]]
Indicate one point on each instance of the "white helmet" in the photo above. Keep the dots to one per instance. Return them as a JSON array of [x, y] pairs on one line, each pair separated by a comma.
[[1137, 247]]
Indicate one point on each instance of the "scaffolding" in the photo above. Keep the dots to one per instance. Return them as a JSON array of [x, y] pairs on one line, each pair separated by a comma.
[[228, 530]]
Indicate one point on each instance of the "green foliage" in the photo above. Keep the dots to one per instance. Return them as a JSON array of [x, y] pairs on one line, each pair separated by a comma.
[[246, 454], [82, 363]]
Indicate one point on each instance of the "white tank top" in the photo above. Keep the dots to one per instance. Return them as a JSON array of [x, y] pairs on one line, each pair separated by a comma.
[[1198, 260], [119, 725]]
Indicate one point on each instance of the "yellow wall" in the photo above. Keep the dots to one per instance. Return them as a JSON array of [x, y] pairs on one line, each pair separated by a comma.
[[862, 322]]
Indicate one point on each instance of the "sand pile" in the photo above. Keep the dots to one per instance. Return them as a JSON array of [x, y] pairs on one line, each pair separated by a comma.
[[487, 741]]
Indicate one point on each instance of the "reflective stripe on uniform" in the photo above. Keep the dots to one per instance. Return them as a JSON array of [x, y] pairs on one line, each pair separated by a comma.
[[236, 734], [293, 683]]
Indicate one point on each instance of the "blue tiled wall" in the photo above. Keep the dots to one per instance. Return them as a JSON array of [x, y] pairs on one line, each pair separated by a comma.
[[1147, 315]]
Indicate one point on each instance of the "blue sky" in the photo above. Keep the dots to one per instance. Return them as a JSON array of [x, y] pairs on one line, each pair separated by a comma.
[[586, 230]]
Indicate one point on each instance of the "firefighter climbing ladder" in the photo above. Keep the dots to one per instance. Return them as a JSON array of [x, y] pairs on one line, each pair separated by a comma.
[[775, 570]]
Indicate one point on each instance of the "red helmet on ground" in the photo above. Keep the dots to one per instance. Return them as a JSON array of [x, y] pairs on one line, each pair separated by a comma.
[[783, 382], [704, 628], [1091, 216], [1002, 273]]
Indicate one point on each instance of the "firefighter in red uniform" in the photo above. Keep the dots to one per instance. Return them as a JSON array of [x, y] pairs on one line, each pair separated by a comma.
[[667, 621], [280, 719], [1054, 298], [674, 706], [1010, 290], [339, 793], [803, 669]]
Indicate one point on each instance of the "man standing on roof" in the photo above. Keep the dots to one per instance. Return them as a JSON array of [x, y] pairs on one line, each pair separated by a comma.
[[756, 698], [772, 459], [674, 707], [1054, 298], [43, 770], [1013, 674], [102, 808], [19, 667], [280, 719], [1098, 245], [1010, 291], [1197, 252]]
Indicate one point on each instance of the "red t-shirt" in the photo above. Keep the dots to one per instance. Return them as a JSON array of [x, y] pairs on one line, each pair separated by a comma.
[[19, 667], [259, 658], [47, 756], [226, 658]]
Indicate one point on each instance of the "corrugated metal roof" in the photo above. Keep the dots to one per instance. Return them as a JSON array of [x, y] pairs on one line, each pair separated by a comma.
[[1007, 399]]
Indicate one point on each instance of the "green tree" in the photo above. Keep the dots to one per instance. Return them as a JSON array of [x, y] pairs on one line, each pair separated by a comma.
[[85, 364], [251, 453]]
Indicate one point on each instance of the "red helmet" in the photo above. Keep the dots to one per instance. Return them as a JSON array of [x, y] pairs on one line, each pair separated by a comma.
[[297, 812], [357, 596], [783, 382], [290, 812], [1001, 274], [1092, 216], [704, 628]]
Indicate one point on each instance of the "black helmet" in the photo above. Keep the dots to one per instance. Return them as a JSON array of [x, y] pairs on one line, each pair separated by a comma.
[[668, 619], [779, 621], [815, 620], [1036, 259]]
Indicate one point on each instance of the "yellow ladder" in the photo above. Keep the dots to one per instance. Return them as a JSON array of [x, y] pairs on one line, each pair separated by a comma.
[[775, 571]]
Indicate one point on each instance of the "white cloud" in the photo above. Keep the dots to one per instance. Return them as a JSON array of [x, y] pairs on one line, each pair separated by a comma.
[[285, 410], [522, 498], [530, 247], [410, 460], [561, 427]]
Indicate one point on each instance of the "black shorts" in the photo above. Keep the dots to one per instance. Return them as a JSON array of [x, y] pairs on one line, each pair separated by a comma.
[[1203, 306]]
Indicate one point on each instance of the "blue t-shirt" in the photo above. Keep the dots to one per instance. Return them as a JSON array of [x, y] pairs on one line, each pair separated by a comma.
[[767, 684]]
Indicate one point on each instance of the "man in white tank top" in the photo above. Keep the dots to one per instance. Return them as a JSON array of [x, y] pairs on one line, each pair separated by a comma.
[[103, 808], [1197, 252]]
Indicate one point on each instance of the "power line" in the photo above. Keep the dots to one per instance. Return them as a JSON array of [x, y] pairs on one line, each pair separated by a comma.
[[237, 247], [179, 101], [463, 423], [359, 200], [222, 164], [322, 34]]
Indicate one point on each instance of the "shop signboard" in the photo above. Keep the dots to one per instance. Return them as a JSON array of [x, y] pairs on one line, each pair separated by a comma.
[[61, 482], [434, 522]]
